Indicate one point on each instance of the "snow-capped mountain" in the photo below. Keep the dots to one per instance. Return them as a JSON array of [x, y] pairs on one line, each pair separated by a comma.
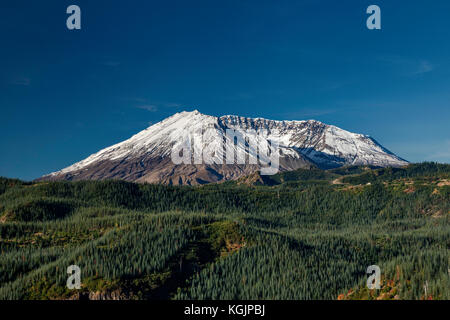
[[147, 156]]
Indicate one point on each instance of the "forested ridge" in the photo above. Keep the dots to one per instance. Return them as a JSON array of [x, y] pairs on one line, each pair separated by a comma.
[[305, 234]]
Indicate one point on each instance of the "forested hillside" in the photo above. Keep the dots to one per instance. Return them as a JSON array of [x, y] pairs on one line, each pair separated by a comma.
[[306, 234]]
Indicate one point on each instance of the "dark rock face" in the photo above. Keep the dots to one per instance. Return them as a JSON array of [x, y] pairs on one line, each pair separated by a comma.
[[165, 172]]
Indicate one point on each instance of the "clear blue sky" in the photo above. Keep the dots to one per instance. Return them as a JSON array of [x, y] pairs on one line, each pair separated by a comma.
[[66, 94]]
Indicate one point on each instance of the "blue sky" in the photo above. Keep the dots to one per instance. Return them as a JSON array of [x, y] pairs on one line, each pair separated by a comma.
[[66, 94]]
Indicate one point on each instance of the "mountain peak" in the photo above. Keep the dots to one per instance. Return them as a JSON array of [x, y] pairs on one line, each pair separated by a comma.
[[189, 113], [195, 111], [146, 156]]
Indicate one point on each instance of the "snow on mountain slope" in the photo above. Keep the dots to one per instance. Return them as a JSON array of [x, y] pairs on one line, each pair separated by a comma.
[[325, 145], [146, 156]]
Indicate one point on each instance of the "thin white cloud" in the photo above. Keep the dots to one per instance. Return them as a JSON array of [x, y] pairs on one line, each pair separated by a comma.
[[418, 151], [139, 100], [424, 67], [148, 107], [306, 113], [153, 106], [21, 81], [240, 96], [408, 66], [111, 63], [171, 105], [442, 154]]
